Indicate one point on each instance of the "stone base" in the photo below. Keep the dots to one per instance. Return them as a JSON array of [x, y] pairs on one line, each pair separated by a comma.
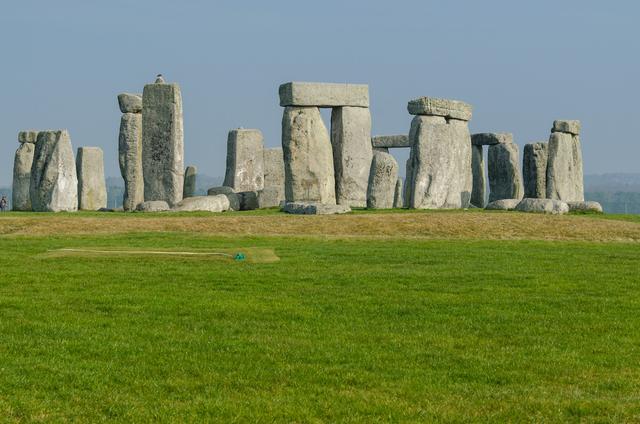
[[551, 206], [503, 205], [153, 206], [300, 208], [587, 206]]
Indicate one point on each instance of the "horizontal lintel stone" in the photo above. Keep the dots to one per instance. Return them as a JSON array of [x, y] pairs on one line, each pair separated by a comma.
[[455, 109], [29, 136], [566, 126], [488, 139], [390, 141], [321, 94]]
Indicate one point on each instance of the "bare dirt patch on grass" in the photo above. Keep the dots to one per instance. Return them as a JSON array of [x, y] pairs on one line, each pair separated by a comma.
[[427, 225]]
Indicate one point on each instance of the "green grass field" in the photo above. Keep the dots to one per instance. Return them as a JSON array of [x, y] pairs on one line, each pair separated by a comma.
[[339, 329]]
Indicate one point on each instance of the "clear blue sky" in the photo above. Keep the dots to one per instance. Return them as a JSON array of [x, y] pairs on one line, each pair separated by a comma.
[[521, 65]]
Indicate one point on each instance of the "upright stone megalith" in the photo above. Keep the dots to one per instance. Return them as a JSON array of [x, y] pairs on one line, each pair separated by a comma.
[[245, 160], [190, 175], [398, 196], [92, 189], [352, 153], [273, 192], [162, 142], [308, 158], [20, 197], [479, 191], [503, 162], [54, 183], [440, 154], [564, 167], [534, 170], [130, 150], [383, 178]]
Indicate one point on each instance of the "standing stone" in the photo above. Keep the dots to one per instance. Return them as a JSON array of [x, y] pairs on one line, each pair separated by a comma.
[[273, 192], [504, 172], [408, 181], [398, 197], [92, 189], [534, 170], [189, 189], [564, 167], [382, 181], [20, 197], [441, 163], [352, 154], [479, 191], [130, 160], [162, 143], [54, 183], [308, 159], [245, 160]]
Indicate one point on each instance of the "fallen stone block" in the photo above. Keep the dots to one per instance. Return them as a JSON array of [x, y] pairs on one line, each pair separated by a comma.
[[54, 182], [503, 205], [23, 160], [29, 136], [245, 160], [586, 206], [153, 206], [489, 139], [130, 103], [382, 181], [566, 126], [162, 143], [550, 206], [390, 141], [217, 203], [320, 94], [352, 153], [248, 200], [505, 181], [308, 157], [304, 208], [92, 188], [534, 170], [234, 198], [455, 109]]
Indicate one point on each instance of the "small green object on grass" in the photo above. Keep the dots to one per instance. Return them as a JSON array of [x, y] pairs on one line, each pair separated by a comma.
[[239, 256]]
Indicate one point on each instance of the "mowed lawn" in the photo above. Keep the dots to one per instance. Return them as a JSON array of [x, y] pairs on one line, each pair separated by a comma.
[[340, 329]]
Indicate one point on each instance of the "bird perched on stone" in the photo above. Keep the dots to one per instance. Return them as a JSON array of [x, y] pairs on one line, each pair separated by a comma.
[[159, 79]]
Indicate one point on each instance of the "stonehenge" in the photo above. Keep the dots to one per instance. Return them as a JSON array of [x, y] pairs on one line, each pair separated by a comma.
[[534, 170], [441, 175], [564, 163], [245, 161], [504, 172], [20, 197], [130, 149], [54, 182], [92, 189], [162, 142], [189, 187], [217, 203]]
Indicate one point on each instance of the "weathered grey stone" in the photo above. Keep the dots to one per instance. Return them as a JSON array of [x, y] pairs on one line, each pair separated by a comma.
[[503, 205], [217, 203], [534, 170], [29, 136], [54, 182], [153, 206], [393, 141], [162, 143], [352, 153], [503, 164], [441, 163], [189, 188], [310, 208], [587, 206], [273, 192], [381, 149], [398, 196], [489, 139], [564, 168], [567, 126], [245, 160], [320, 94], [551, 206], [308, 159], [20, 196], [130, 103], [440, 107], [92, 189], [234, 198], [248, 200], [382, 181], [479, 190], [408, 182], [130, 159]]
